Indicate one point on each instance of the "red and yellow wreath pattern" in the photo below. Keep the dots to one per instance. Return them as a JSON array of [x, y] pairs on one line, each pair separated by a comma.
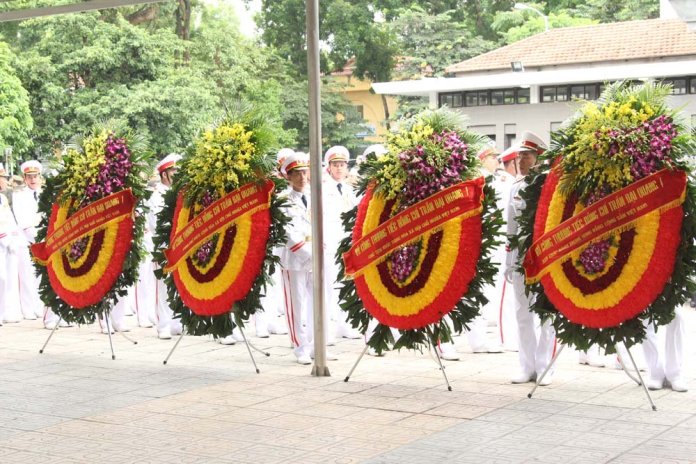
[[85, 281], [212, 289], [637, 270], [446, 266]]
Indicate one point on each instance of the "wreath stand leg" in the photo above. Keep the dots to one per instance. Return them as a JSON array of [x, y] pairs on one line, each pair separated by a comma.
[[50, 335], [442, 368], [356, 363], [178, 340], [135, 342], [249, 346], [548, 368], [635, 367], [625, 369], [107, 313]]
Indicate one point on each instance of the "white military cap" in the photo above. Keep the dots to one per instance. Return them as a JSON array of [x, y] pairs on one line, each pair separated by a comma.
[[297, 160], [31, 167], [282, 154], [336, 153], [530, 141], [509, 154], [167, 162]]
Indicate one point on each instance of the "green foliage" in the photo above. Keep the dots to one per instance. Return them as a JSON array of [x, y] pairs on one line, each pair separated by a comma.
[[518, 25], [431, 42], [340, 122], [16, 122]]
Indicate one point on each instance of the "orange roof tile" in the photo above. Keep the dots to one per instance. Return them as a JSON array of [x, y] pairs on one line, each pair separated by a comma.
[[631, 40]]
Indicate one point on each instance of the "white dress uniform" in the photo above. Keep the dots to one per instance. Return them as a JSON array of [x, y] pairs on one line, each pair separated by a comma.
[[166, 324], [296, 261], [536, 341], [338, 198], [10, 244], [502, 300], [26, 211], [145, 294]]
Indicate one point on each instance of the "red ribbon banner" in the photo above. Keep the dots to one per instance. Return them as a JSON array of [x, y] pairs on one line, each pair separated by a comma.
[[247, 199], [660, 191], [463, 199], [85, 221]]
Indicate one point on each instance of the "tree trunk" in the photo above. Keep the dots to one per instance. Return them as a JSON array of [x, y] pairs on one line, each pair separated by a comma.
[[183, 24], [183, 19], [386, 112]]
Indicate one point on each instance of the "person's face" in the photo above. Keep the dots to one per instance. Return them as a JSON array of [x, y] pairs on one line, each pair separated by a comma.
[[3, 183], [490, 163], [338, 170], [298, 178], [33, 181], [527, 160], [168, 176]]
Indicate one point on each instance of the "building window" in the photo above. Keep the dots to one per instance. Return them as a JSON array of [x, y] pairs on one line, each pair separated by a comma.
[[692, 86], [361, 111], [548, 94], [523, 96], [561, 93], [452, 100], [678, 85], [483, 99]]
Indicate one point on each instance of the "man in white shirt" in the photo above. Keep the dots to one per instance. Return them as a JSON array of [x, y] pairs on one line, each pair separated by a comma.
[[338, 199], [296, 259], [167, 168], [25, 206], [536, 340]]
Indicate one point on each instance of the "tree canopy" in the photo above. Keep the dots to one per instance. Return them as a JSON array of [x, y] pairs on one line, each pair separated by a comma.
[[167, 69]]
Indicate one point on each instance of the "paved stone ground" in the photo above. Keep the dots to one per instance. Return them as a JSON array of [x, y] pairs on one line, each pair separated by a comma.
[[73, 404]]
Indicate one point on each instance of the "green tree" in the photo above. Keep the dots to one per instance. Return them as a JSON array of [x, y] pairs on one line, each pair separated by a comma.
[[517, 25], [15, 116]]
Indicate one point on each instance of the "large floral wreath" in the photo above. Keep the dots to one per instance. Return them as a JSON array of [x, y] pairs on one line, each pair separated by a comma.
[[220, 222], [90, 241], [421, 238], [607, 236]]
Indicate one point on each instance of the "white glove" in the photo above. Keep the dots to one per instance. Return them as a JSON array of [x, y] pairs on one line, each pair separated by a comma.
[[509, 273]]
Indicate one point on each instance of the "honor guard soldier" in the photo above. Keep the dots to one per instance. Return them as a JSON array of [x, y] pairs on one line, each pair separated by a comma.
[[536, 340], [166, 324], [338, 199], [506, 175], [296, 259], [25, 206], [10, 243]]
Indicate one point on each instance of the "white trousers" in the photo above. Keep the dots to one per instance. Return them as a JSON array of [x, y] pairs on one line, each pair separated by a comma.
[[165, 315], [664, 349], [333, 309], [10, 306], [297, 291], [145, 294], [537, 342], [30, 302]]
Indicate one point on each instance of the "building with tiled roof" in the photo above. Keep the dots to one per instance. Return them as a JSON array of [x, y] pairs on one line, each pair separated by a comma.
[[601, 43], [532, 84]]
